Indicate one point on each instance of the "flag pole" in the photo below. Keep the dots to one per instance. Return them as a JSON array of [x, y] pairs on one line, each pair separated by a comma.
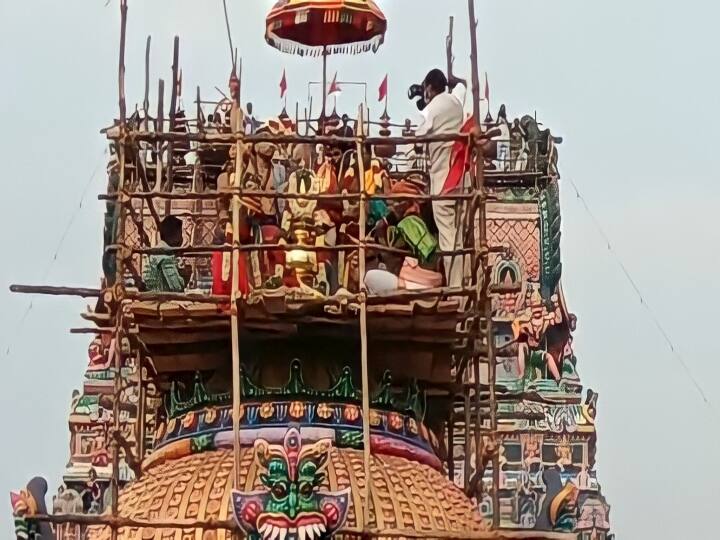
[[487, 92], [324, 91], [387, 94]]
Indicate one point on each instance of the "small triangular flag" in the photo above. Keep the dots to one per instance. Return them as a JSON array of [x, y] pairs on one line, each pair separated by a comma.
[[334, 87], [283, 85], [383, 90]]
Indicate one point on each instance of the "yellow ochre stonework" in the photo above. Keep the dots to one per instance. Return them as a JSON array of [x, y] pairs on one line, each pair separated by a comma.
[[405, 495]]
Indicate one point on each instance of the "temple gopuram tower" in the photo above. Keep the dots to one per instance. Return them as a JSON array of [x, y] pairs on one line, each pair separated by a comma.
[[300, 334]]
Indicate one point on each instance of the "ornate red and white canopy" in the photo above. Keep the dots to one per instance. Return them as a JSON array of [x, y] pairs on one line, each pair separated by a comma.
[[312, 27]]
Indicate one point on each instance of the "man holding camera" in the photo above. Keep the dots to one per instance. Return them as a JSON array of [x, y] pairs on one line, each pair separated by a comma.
[[442, 107]]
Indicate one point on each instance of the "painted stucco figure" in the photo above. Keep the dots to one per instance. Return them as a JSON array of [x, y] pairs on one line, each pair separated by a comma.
[[291, 506], [529, 332]]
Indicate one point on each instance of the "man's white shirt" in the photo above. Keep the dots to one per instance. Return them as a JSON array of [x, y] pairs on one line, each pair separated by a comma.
[[443, 115]]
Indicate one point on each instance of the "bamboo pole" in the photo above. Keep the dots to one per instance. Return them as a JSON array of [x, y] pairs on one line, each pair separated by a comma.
[[363, 331], [141, 156], [324, 90], [121, 65], [144, 238], [234, 319], [82, 292], [199, 113], [229, 524], [142, 174], [114, 448], [204, 251], [404, 296], [140, 423], [468, 448], [94, 331], [159, 129], [451, 441], [212, 195], [492, 376], [172, 113], [146, 97], [474, 61], [478, 420], [485, 300], [232, 138]]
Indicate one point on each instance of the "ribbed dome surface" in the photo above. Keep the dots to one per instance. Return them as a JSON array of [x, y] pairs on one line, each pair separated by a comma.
[[405, 495]]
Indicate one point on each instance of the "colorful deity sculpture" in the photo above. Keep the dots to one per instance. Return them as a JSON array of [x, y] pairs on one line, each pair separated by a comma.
[[26, 504], [530, 331], [291, 506]]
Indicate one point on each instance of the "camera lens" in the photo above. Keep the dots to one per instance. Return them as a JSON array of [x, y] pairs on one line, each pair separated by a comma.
[[415, 91]]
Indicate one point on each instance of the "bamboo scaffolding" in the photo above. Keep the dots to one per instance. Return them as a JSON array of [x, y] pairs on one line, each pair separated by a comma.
[[472, 489], [232, 138], [204, 251], [171, 114], [98, 331], [229, 524], [227, 193], [450, 458], [146, 95], [468, 454], [159, 127], [120, 276], [494, 415], [114, 446], [138, 221], [140, 425], [483, 298], [234, 320], [480, 313], [226, 299], [363, 333], [82, 292], [142, 175]]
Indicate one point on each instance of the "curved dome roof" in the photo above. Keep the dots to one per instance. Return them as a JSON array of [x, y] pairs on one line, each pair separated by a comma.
[[405, 494]]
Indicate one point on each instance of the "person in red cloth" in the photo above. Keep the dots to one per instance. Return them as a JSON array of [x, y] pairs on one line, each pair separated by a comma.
[[444, 114], [222, 262]]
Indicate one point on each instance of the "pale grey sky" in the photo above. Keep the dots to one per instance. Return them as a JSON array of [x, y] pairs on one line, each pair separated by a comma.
[[631, 86]]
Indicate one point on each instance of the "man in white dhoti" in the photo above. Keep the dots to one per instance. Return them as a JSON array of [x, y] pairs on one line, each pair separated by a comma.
[[444, 114]]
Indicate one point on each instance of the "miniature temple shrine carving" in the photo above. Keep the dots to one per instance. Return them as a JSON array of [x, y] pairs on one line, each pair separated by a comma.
[[319, 325]]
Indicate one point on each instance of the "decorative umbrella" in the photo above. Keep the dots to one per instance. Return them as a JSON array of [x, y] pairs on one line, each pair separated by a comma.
[[321, 27]]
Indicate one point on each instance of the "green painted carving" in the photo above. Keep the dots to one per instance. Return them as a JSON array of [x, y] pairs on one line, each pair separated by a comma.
[[202, 443], [175, 405], [550, 221], [200, 395], [517, 194], [249, 388], [414, 402], [384, 398], [344, 387], [349, 439], [296, 385]]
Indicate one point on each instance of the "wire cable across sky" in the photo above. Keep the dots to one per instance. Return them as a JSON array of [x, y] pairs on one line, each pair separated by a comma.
[[656, 321], [59, 246]]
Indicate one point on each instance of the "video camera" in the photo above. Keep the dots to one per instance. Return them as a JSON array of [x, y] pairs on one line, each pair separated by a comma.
[[416, 91]]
